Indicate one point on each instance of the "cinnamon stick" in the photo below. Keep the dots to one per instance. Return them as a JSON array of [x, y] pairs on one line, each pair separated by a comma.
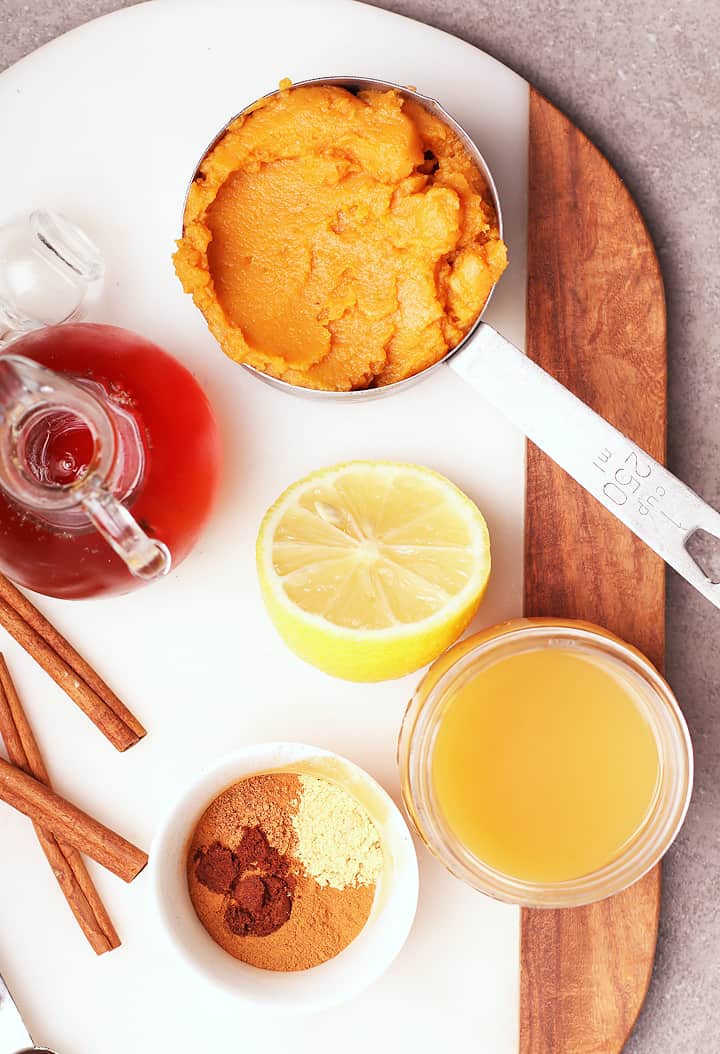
[[62, 662], [69, 823], [66, 863]]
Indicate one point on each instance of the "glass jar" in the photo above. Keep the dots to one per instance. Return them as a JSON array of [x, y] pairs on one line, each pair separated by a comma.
[[425, 714]]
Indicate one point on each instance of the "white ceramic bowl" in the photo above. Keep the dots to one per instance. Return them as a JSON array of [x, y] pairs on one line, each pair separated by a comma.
[[363, 961]]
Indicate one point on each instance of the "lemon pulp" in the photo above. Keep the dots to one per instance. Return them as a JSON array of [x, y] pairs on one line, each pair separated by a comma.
[[371, 569]]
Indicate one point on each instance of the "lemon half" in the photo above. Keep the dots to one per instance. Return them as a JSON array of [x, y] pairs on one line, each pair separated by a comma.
[[370, 569]]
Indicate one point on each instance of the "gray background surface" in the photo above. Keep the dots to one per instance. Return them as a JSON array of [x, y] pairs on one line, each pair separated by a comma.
[[642, 78]]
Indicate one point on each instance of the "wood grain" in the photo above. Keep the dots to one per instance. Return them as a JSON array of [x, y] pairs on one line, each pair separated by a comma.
[[596, 321]]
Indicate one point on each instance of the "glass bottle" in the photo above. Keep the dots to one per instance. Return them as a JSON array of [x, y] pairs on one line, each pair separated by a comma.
[[109, 460]]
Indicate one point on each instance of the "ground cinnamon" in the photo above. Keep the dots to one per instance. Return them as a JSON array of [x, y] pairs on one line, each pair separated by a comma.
[[258, 870]]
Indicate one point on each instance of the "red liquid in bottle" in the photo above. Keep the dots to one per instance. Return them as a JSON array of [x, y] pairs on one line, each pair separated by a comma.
[[59, 449], [180, 450]]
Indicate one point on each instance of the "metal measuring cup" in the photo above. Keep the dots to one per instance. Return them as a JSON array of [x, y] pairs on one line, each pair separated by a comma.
[[661, 510], [14, 1036]]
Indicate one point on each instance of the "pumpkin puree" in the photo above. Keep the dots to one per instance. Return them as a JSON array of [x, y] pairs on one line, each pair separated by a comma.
[[339, 241]]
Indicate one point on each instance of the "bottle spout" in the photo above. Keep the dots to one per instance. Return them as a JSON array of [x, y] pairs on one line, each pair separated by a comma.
[[25, 385], [31, 396], [19, 384], [145, 557]]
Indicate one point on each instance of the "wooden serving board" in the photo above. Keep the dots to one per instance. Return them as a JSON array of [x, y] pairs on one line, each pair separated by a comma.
[[596, 321]]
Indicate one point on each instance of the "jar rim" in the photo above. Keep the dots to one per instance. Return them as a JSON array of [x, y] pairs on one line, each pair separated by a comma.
[[665, 814]]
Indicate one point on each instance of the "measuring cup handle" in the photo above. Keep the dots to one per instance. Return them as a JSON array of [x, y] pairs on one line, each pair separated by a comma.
[[661, 510]]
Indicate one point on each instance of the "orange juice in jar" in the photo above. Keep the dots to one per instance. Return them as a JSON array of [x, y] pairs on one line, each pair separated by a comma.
[[545, 762]]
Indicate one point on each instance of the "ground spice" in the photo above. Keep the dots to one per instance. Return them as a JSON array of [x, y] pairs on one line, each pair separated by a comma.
[[267, 801], [337, 843], [322, 924], [282, 870], [259, 906], [216, 867], [255, 880]]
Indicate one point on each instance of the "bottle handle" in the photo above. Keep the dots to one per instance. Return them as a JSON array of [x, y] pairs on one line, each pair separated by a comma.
[[145, 557]]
